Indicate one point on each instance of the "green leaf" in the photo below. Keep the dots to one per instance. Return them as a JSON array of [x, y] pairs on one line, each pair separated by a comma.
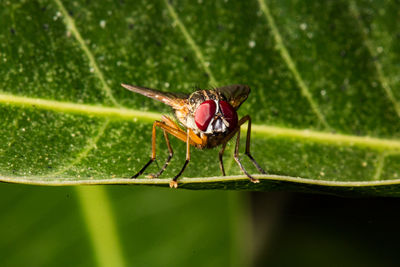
[[324, 103]]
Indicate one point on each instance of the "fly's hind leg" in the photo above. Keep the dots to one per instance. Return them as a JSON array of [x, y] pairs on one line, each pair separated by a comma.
[[236, 154], [177, 132], [221, 162], [171, 153], [247, 152], [153, 150], [237, 159]]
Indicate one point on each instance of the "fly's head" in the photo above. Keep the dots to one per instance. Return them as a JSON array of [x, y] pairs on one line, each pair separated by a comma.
[[212, 112]]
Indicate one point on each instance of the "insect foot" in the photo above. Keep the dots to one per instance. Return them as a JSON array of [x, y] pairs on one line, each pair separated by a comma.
[[256, 181], [173, 184]]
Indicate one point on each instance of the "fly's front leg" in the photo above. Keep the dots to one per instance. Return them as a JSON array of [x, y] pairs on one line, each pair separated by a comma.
[[247, 152], [237, 159]]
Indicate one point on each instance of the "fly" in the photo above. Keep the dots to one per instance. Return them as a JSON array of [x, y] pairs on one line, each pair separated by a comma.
[[209, 119]]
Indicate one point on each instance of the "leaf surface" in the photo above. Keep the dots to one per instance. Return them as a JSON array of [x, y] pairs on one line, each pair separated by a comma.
[[324, 100]]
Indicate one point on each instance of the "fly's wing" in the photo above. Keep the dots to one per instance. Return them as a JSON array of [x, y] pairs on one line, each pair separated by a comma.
[[175, 100], [235, 94]]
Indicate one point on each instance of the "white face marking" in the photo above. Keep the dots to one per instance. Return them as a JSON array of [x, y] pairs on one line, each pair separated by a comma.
[[217, 125]]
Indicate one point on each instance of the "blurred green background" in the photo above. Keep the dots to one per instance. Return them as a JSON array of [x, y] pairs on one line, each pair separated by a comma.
[[51, 226]]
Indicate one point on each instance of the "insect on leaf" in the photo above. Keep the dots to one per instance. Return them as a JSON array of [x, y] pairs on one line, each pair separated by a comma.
[[324, 101]]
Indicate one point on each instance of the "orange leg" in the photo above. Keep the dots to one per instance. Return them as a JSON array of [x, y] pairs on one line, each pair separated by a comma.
[[171, 154], [174, 183], [191, 139], [169, 122], [169, 127]]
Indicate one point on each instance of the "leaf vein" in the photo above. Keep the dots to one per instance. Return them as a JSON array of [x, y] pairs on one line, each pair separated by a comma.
[[372, 50], [91, 143], [305, 91], [190, 41], [379, 166], [70, 23]]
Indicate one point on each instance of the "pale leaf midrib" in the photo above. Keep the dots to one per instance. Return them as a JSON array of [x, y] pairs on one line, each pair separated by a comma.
[[132, 114], [83, 109]]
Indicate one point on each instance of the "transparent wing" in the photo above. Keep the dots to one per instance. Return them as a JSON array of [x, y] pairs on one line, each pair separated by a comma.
[[235, 94], [174, 100]]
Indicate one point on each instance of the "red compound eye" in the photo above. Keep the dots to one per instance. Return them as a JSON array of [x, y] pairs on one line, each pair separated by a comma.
[[204, 113], [230, 114]]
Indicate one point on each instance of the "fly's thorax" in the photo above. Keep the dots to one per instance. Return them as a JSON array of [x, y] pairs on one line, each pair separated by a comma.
[[198, 97]]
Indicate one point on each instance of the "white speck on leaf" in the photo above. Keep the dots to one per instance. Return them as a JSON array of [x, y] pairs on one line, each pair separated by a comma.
[[102, 23], [364, 164], [57, 15], [252, 44], [303, 26]]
